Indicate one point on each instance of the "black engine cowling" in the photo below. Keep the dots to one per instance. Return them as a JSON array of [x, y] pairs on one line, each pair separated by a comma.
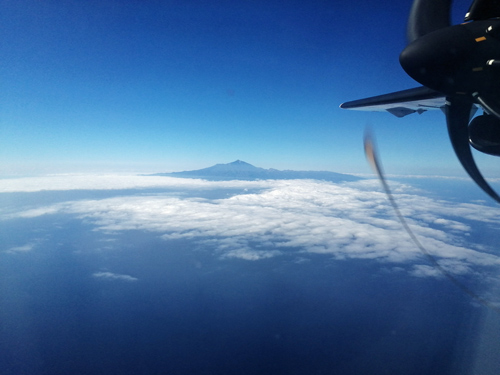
[[484, 134]]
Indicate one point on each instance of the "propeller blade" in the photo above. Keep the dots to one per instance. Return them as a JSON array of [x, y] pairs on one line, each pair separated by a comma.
[[457, 112], [372, 156], [427, 16]]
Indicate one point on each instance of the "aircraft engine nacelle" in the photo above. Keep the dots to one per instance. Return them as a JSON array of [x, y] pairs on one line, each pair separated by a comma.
[[484, 134]]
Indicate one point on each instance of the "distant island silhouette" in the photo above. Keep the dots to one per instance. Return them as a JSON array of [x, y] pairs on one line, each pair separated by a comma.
[[240, 170]]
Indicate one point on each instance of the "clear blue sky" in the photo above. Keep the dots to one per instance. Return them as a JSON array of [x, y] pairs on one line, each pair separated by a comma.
[[172, 85]]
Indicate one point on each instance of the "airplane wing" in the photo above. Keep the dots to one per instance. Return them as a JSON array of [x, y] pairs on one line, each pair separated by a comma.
[[400, 103]]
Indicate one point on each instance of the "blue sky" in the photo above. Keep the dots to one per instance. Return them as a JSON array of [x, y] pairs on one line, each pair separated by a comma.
[[150, 86]]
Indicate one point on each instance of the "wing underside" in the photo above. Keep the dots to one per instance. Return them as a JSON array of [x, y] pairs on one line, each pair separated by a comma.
[[400, 103]]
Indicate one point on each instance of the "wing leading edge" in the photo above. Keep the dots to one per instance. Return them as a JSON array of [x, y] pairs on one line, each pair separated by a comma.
[[400, 103]]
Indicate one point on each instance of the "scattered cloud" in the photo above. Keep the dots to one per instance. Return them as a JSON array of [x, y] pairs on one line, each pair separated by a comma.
[[113, 276], [452, 224], [20, 249], [423, 270], [248, 254]]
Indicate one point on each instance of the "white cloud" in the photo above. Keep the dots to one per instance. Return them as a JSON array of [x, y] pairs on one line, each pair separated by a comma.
[[248, 254], [20, 249], [423, 270], [452, 224], [35, 212], [115, 182], [113, 276], [352, 220]]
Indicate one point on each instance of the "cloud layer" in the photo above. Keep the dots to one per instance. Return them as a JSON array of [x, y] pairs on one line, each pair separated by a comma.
[[351, 220], [114, 182]]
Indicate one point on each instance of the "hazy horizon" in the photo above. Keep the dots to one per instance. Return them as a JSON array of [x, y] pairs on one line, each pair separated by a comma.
[[35, 170]]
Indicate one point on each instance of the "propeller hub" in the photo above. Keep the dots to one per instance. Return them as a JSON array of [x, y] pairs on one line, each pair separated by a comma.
[[436, 60]]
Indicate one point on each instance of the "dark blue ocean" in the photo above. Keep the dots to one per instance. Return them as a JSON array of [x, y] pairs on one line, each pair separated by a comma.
[[190, 312]]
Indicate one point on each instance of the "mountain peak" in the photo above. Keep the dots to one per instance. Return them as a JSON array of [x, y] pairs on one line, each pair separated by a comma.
[[235, 166], [240, 163]]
